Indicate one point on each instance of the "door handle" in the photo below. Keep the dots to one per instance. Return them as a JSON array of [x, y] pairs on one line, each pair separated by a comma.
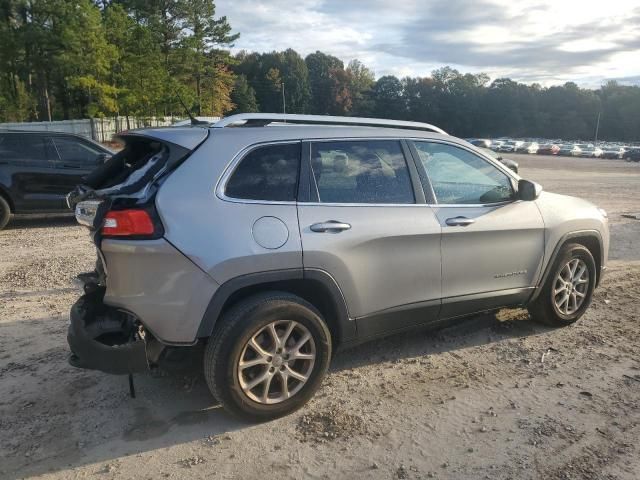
[[459, 221], [331, 226], [75, 167]]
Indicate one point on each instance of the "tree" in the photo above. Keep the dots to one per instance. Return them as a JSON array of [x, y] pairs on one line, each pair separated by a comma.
[[322, 70], [203, 61], [82, 61], [243, 96], [138, 72], [267, 72], [421, 95], [388, 97], [62, 59], [361, 81], [295, 76]]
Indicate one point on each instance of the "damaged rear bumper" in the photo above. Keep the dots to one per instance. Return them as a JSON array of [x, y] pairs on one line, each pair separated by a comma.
[[103, 338]]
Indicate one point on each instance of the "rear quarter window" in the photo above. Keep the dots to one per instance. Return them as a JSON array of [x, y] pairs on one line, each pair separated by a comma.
[[268, 173], [24, 147]]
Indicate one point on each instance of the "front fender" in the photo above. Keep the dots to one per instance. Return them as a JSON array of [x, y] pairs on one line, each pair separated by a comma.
[[594, 234]]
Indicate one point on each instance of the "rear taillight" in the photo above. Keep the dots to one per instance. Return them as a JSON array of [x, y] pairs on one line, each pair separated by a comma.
[[128, 223]]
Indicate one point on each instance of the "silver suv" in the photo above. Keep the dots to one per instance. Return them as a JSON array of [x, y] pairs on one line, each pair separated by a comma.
[[271, 240]]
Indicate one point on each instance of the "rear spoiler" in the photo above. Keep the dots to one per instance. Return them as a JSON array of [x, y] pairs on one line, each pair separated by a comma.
[[185, 137]]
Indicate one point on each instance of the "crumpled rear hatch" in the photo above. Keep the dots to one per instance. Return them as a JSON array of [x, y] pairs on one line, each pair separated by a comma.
[[131, 178]]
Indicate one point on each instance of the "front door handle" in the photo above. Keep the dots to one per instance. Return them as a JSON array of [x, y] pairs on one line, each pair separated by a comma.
[[331, 226], [459, 221]]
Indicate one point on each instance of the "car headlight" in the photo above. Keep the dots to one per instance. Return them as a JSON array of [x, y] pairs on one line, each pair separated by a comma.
[[603, 212]]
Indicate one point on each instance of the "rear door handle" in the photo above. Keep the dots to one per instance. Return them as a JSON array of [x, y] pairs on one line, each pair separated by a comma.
[[459, 221], [331, 226]]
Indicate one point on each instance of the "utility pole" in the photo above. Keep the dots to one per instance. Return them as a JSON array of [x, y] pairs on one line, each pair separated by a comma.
[[284, 105], [597, 128]]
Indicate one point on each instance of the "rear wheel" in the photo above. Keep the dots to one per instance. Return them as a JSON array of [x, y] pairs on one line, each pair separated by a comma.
[[5, 212], [567, 293], [269, 356]]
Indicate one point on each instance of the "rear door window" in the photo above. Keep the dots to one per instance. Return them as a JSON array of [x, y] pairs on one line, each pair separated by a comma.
[[75, 151], [268, 173], [25, 147], [362, 171]]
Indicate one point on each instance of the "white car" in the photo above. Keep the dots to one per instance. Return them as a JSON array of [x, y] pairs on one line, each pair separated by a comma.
[[594, 152], [528, 147]]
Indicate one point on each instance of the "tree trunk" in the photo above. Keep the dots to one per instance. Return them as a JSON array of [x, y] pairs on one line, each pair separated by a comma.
[[198, 94], [45, 101]]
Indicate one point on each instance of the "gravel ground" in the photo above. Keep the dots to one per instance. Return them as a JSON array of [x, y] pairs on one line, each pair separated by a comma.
[[495, 396]]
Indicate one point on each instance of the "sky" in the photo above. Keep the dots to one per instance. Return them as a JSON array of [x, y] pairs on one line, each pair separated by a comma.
[[544, 41]]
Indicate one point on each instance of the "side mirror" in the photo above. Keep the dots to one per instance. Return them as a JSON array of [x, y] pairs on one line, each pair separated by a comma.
[[528, 191]]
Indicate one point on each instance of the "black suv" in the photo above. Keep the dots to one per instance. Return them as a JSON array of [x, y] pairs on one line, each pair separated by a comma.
[[38, 169]]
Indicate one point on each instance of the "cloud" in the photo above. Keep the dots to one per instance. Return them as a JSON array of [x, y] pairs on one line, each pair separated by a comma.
[[436, 34], [530, 40]]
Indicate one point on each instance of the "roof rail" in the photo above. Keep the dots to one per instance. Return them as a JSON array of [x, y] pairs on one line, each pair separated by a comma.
[[262, 119]]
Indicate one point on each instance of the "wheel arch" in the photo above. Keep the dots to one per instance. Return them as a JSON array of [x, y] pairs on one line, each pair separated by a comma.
[[315, 286], [591, 239]]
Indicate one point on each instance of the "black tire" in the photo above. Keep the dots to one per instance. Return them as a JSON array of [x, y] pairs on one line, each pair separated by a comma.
[[544, 309], [5, 212], [237, 326]]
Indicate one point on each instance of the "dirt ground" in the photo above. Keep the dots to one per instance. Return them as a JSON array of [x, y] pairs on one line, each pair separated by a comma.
[[494, 397]]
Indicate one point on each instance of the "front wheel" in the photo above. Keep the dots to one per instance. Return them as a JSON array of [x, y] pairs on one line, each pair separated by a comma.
[[268, 357], [567, 292]]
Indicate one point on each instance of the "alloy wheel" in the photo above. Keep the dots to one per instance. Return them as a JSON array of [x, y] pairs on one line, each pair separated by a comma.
[[276, 362], [570, 286]]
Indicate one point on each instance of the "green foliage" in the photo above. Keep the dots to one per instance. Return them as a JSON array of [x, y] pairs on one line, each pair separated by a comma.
[[243, 96], [389, 98], [64, 59], [266, 73], [361, 81], [324, 84]]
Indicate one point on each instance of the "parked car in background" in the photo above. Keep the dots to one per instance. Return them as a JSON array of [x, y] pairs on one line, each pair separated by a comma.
[[509, 146], [38, 169], [480, 142], [582, 147], [527, 147], [632, 154], [273, 246], [590, 151], [496, 144], [612, 151], [507, 162], [548, 149], [570, 149]]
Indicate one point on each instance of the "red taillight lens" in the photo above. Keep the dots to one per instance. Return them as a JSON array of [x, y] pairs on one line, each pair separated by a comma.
[[125, 223]]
